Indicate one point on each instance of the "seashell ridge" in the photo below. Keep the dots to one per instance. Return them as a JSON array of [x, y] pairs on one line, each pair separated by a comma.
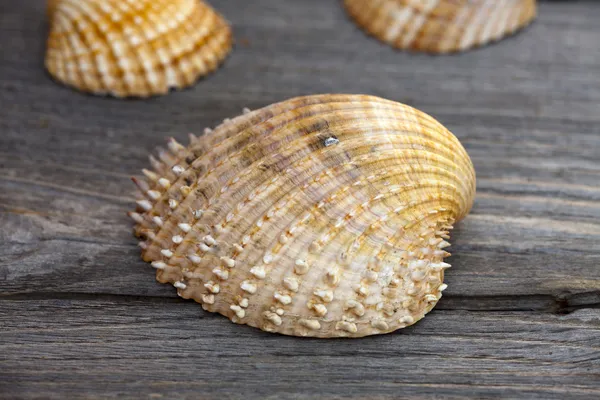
[[134, 48], [323, 216], [441, 26]]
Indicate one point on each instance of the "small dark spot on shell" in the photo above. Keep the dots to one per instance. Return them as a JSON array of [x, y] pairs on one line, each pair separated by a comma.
[[197, 152], [203, 192]]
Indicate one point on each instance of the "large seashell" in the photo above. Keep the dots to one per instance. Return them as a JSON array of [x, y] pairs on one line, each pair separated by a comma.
[[441, 26], [134, 47], [319, 216]]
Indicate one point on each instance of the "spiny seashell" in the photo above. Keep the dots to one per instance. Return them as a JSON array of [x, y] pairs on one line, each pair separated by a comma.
[[319, 216], [134, 48], [441, 26]]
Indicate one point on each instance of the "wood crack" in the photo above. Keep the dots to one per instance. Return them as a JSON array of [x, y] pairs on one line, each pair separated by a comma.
[[554, 304], [68, 189]]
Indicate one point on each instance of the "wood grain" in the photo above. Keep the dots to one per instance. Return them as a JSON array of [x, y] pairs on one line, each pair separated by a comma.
[[82, 317], [138, 346]]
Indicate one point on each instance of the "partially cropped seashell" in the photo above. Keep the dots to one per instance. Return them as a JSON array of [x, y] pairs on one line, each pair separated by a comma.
[[319, 216], [441, 26], [134, 48]]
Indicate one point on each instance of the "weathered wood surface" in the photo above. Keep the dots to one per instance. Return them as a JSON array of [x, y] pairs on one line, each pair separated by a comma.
[[81, 315]]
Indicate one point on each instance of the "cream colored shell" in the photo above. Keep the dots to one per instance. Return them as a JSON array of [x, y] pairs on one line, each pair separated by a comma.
[[441, 26], [319, 216], [135, 48]]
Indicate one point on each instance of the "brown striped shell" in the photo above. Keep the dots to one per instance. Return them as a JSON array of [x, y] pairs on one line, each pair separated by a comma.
[[321, 216], [134, 48], [441, 26]]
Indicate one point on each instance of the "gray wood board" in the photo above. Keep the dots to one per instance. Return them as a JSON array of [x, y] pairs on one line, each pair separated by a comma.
[[81, 314]]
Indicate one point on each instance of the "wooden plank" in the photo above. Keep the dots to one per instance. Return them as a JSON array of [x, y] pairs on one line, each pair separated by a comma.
[[83, 317], [66, 173], [123, 346]]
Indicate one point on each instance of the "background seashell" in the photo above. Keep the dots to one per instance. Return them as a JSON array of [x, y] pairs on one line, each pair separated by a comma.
[[134, 47], [441, 26], [319, 216]]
